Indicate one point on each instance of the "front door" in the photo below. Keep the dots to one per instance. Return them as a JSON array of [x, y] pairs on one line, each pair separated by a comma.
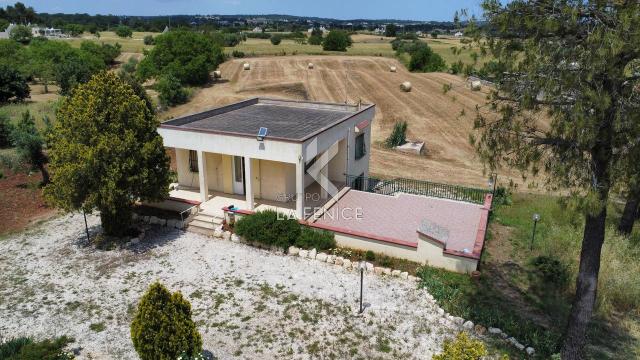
[[238, 175]]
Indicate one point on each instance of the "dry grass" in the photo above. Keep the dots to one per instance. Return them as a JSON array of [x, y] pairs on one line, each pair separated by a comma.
[[134, 44], [432, 116], [363, 45]]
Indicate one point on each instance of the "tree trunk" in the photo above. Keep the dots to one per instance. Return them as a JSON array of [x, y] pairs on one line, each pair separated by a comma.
[[586, 286], [45, 174], [630, 213], [116, 219]]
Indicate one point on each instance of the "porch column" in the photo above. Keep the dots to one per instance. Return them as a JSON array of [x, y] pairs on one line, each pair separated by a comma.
[[300, 189], [248, 182], [202, 176]]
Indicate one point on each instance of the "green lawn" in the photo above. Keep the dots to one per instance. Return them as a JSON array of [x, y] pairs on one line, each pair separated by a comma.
[[532, 303], [37, 109]]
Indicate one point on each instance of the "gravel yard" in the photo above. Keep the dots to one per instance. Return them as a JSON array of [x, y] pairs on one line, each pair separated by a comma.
[[247, 303]]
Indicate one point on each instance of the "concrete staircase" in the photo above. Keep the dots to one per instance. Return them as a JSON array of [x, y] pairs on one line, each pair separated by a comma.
[[205, 223]]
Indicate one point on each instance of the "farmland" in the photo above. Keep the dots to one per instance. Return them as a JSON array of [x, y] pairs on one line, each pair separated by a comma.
[[432, 115]]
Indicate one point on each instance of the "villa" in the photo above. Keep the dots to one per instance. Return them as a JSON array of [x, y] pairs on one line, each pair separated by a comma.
[[310, 161]]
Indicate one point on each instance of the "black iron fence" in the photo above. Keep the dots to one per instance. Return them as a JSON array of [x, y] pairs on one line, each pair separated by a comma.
[[417, 187]]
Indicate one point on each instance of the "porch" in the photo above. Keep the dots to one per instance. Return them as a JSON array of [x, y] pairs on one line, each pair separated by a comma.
[[217, 200]]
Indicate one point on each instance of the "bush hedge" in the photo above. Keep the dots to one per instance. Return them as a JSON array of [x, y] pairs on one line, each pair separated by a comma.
[[269, 229], [162, 327], [320, 240], [462, 348], [25, 348]]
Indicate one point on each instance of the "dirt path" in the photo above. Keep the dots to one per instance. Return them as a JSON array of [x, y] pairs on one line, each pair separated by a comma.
[[432, 115]]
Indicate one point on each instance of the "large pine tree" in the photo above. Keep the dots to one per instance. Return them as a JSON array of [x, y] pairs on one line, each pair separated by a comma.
[[568, 102], [106, 153]]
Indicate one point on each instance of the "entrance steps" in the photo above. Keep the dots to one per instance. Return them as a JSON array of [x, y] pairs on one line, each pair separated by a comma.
[[205, 223]]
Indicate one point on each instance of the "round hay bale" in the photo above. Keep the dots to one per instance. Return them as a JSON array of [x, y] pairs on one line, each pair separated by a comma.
[[217, 74], [246, 66], [310, 66], [476, 85], [393, 69], [405, 86]]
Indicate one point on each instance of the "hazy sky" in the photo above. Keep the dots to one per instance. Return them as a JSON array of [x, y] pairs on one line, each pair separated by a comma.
[[338, 9]]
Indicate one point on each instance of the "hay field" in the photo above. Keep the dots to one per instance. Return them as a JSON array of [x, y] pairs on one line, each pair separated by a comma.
[[363, 45], [432, 116]]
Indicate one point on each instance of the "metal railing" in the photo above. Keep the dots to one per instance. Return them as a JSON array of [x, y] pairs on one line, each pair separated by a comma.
[[416, 187], [187, 214]]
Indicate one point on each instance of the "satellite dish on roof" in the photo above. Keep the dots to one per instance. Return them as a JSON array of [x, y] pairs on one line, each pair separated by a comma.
[[262, 133]]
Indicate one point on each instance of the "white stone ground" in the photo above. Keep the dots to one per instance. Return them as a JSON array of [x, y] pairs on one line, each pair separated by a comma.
[[248, 303]]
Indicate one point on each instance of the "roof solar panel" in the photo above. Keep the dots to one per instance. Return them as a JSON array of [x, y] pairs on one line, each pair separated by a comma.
[[262, 133]]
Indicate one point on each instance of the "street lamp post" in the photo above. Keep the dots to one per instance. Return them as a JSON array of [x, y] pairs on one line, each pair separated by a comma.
[[361, 267], [536, 218]]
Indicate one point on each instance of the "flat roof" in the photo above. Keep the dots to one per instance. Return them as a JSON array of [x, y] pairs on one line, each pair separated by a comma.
[[287, 120], [402, 216]]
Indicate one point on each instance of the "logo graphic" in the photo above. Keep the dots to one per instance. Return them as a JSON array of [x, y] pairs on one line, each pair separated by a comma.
[[318, 170]]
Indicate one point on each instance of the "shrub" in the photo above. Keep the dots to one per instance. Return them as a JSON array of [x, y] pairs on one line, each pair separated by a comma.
[[124, 31], [265, 227], [170, 91], [5, 131], [149, 40], [398, 136], [315, 40], [162, 327], [435, 34], [276, 39], [423, 59], [551, 270], [26, 349], [130, 66], [320, 240], [370, 255], [237, 54], [12, 84], [337, 40], [21, 34], [462, 348]]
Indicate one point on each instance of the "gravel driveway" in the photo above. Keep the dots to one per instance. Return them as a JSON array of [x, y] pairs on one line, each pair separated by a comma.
[[248, 303]]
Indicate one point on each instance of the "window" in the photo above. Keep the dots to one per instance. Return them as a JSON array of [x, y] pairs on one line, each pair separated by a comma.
[[193, 161], [358, 183], [237, 167], [361, 149]]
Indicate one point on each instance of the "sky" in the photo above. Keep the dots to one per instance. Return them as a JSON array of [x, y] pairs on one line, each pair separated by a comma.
[[337, 9]]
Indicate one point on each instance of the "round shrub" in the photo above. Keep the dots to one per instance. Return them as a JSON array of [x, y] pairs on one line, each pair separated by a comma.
[[267, 228], [320, 240], [462, 348], [162, 327], [276, 39]]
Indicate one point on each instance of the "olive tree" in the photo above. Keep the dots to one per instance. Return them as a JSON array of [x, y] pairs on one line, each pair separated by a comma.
[[567, 102], [106, 153]]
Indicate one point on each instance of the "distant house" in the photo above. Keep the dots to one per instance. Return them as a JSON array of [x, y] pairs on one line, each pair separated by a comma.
[[322, 28], [458, 34], [380, 30], [257, 29], [47, 32], [166, 29], [7, 32]]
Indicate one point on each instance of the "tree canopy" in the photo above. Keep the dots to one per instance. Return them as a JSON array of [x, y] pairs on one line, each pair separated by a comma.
[[21, 34], [187, 55], [568, 102], [106, 153], [337, 40], [124, 31], [12, 84]]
